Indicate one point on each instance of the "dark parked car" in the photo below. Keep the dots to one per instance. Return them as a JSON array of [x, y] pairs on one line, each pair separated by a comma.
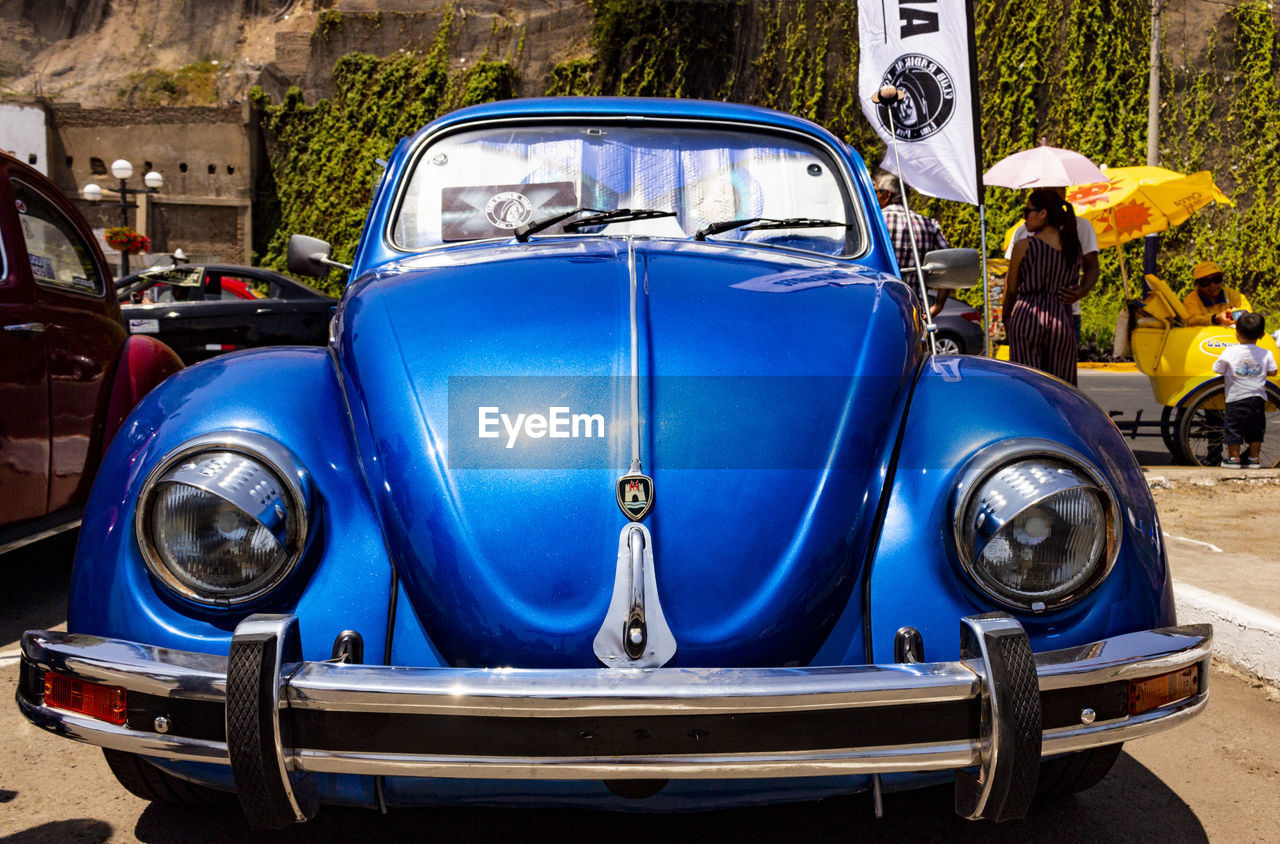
[[959, 329], [202, 311], [69, 372], [625, 482]]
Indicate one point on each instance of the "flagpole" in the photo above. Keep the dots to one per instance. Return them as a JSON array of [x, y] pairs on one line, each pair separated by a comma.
[[977, 171], [891, 102], [986, 280]]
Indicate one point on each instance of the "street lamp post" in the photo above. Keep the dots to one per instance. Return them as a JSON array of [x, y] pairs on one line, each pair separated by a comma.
[[123, 170]]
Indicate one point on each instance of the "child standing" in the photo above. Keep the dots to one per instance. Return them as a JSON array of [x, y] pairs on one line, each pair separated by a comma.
[[1245, 368]]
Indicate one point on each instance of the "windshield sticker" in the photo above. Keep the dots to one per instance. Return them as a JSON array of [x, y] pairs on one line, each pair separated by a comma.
[[22, 206], [144, 326], [77, 281], [468, 213], [508, 210], [42, 268]]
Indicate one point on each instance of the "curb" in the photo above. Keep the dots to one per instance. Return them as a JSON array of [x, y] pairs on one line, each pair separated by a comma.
[[1166, 477], [1245, 638], [1116, 366]]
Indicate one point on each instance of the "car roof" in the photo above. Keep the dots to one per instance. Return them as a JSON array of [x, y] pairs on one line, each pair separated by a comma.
[[623, 107]]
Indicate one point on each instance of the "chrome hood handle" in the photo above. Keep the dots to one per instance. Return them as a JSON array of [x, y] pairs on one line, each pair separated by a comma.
[[634, 633]]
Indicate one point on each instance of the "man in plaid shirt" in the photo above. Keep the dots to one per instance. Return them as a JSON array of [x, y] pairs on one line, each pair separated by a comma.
[[928, 233]]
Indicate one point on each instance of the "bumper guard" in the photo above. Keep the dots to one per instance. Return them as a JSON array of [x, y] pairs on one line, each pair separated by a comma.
[[274, 718]]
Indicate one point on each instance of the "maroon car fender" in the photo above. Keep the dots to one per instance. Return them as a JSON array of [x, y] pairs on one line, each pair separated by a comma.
[[144, 363]]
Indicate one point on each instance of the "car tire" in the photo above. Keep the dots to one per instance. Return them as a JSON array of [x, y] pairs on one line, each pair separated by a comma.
[[1075, 772], [142, 779], [948, 343]]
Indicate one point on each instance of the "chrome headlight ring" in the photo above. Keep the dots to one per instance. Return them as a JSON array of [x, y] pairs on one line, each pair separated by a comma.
[[258, 494], [1002, 495]]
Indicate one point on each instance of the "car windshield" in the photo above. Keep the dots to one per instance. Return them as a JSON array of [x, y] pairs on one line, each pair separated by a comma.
[[488, 183]]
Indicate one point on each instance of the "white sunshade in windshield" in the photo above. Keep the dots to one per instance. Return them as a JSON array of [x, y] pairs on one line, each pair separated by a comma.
[[487, 183]]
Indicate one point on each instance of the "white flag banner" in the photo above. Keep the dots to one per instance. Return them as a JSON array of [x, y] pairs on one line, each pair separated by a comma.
[[923, 48]]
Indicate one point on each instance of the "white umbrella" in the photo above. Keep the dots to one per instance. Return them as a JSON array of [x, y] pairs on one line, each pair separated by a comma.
[[1043, 167]]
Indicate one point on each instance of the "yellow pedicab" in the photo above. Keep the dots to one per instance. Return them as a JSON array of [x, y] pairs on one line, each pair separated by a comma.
[[1179, 361], [1135, 202]]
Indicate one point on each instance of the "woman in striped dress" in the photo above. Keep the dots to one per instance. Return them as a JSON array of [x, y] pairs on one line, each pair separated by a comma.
[[1043, 277]]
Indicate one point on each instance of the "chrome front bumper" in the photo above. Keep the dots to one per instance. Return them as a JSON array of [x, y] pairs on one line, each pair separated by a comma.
[[274, 717]]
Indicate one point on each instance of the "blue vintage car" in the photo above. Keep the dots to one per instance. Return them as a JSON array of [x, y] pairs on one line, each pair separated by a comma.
[[625, 481]]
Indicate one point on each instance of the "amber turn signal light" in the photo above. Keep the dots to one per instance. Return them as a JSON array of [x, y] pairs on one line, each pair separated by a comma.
[[1152, 692], [106, 703]]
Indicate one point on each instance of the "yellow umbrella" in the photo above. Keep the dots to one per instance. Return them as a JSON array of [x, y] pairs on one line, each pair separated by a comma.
[[1138, 201]]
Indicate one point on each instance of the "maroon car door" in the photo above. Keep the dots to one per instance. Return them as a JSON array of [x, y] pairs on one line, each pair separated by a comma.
[[83, 333], [24, 382]]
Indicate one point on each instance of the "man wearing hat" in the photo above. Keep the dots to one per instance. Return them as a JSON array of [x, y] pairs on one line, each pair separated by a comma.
[[1212, 302]]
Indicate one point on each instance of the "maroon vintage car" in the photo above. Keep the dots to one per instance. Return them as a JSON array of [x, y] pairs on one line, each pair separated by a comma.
[[69, 372]]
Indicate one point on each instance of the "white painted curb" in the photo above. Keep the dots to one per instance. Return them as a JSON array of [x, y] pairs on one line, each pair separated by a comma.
[[1246, 638]]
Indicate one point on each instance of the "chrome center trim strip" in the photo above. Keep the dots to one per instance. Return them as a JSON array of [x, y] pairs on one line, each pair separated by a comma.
[[635, 358]]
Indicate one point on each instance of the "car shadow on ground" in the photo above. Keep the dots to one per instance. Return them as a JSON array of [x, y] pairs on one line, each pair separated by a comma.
[[75, 831], [37, 578], [1128, 805]]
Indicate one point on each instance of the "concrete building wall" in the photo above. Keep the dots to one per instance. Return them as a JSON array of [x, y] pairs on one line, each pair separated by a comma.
[[23, 134], [203, 154]]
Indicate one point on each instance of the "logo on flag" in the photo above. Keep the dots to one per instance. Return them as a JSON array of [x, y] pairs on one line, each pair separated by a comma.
[[928, 97]]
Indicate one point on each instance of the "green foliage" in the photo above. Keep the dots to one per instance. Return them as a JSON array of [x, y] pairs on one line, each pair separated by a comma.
[[195, 84], [807, 65], [328, 22], [1073, 72], [1227, 119], [323, 155], [572, 78], [655, 48]]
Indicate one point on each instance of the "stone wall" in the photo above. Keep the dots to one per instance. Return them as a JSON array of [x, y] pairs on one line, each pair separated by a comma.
[[203, 154]]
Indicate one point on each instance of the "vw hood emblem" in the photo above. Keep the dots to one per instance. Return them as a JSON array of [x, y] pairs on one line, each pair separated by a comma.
[[635, 495]]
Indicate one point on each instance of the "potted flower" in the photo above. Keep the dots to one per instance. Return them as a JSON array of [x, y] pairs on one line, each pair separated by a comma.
[[125, 239]]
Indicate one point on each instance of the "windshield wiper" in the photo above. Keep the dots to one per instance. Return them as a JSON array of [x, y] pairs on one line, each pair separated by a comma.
[[598, 216], [767, 223], [618, 215], [535, 226]]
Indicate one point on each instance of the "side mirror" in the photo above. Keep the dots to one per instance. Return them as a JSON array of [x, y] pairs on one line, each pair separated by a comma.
[[947, 269], [310, 256]]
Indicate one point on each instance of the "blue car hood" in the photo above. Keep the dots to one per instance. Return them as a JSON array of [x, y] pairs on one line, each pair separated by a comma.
[[770, 386]]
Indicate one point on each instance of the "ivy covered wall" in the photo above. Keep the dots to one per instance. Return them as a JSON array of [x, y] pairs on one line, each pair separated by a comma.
[[1073, 72], [323, 157]]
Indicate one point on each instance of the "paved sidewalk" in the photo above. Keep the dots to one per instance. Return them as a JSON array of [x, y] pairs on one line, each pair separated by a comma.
[[1238, 593]]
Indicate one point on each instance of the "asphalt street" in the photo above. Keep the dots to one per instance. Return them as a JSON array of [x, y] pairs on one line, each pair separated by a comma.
[[1129, 395]]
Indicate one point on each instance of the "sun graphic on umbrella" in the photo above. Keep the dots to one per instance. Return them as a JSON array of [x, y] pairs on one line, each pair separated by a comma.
[[1132, 216], [1089, 194]]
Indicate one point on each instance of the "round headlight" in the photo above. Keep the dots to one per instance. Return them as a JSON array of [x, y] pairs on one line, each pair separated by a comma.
[[1035, 524], [223, 519]]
